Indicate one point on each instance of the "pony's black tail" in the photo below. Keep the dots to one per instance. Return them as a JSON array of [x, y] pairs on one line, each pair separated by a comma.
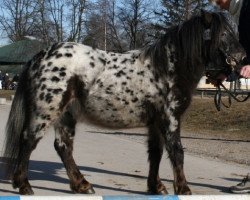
[[16, 123]]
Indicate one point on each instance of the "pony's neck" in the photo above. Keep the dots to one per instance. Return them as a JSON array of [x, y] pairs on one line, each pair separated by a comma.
[[190, 51]]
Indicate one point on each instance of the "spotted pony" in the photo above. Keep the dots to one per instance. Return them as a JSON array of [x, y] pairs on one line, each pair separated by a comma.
[[152, 87]]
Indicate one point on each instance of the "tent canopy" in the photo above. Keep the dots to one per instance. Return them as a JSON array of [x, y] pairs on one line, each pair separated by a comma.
[[19, 52]]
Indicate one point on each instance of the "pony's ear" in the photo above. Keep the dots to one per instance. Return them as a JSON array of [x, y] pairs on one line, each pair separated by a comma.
[[207, 17]]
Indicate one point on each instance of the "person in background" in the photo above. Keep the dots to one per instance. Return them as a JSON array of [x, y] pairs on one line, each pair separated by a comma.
[[15, 78], [240, 12], [14, 82], [6, 81], [1, 79]]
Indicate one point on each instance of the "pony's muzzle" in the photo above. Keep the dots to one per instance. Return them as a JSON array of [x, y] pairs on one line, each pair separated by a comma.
[[231, 61]]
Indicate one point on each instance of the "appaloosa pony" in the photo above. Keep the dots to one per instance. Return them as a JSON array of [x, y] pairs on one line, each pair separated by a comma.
[[150, 87]]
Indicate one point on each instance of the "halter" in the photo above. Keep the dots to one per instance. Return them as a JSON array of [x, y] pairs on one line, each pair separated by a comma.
[[233, 65]]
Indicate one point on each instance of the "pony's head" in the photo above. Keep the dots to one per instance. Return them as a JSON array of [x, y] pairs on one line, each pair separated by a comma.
[[223, 52], [204, 42]]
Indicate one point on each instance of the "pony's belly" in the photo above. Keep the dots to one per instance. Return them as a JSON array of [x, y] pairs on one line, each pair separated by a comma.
[[113, 119], [115, 114]]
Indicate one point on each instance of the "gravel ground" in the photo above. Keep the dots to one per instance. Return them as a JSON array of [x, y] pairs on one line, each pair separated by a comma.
[[204, 145]]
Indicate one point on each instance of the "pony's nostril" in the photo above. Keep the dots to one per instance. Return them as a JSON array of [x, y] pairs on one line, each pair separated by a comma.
[[243, 58]]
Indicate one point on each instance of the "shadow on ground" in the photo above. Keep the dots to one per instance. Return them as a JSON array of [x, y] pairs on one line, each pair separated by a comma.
[[48, 171]]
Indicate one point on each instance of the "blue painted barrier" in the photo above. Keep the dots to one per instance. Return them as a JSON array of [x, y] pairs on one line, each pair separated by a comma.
[[9, 197]]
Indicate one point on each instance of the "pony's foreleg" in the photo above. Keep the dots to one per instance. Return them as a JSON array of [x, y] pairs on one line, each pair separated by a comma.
[[176, 155], [20, 177], [65, 131], [155, 150]]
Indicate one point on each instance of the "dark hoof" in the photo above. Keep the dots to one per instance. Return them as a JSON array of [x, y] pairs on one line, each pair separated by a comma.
[[84, 189], [26, 190], [161, 190], [184, 190], [90, 191], [188, 192]]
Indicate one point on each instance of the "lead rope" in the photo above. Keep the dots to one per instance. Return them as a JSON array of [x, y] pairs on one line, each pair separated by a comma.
[[218, 100]]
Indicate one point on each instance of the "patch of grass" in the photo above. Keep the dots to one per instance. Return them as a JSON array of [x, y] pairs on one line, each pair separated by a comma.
[[233, 122]]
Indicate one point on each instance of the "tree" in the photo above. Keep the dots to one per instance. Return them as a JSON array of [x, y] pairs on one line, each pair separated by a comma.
[[102, 28], [43, 25], [76, 10], [42, 19], [94, 31], [134, 15], [56, 10], [176, 11], [107, 24], [16, 18], [114, 32]]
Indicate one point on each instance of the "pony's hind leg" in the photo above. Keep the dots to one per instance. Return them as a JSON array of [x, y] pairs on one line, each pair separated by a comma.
[[65, 131], [28, 143]]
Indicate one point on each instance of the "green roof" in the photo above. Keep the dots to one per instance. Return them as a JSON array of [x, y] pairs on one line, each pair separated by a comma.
[[19, 52]]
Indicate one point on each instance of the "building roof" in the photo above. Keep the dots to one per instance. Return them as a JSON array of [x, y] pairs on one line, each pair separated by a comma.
[[19, 52]]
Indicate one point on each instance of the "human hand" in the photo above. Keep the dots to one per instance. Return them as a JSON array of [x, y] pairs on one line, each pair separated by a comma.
[[245, 71]]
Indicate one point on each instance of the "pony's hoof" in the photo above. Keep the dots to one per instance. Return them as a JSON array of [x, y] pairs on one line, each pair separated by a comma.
[[26, 190], [185, 190], [90, 191], [188, 192], [161, 190], [84, 189]]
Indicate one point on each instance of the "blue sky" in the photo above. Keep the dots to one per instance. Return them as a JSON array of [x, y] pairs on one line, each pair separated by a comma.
[[3, 41], [3, 38]]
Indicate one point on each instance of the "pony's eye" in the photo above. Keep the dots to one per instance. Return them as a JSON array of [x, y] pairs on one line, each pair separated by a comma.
[[224, 34]]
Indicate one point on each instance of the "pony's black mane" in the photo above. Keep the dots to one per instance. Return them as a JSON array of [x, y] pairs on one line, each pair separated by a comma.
[[187, 38]]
